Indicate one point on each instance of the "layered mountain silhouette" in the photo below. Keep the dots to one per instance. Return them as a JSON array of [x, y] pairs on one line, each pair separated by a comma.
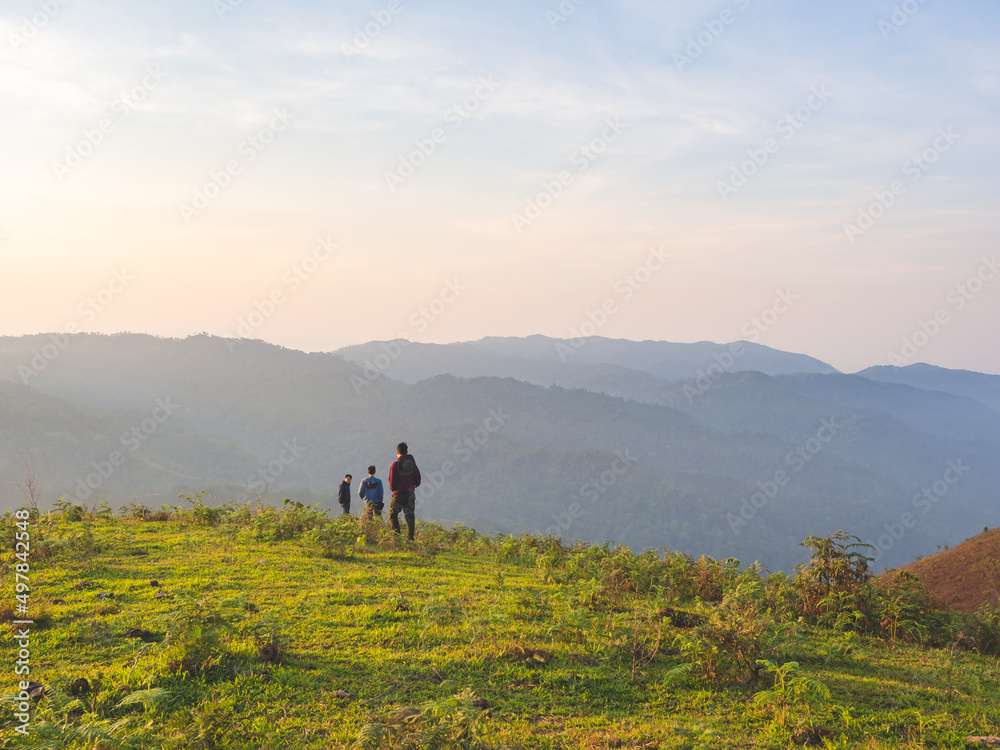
[[649, 444], [594, 363], [974, 385]]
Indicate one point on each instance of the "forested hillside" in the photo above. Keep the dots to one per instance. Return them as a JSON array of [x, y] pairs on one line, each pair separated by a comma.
[[747, 467]]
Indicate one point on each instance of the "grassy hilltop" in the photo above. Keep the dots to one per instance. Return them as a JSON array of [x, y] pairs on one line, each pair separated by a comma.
[[257, 627]]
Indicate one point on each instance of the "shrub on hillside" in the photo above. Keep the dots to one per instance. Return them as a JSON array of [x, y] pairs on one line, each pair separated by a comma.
[[195, 630], [835, 587], [281, 524], [459, 721], [67, 540], [69, 511], [336, 539], [733, 636], [907, 612], [200, 514]]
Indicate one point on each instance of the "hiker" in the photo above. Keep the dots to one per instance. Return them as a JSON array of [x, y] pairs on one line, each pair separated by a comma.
[[344, 494], [372, 493], [404, 478]]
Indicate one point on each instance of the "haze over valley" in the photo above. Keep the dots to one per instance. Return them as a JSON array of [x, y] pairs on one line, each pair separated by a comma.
[[647, 444]]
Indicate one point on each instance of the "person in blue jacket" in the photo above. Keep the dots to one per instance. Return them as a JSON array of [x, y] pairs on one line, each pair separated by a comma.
[[372, 493]]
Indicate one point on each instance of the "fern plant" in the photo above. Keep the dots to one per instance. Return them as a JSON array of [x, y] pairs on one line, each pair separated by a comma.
[[458, 722]]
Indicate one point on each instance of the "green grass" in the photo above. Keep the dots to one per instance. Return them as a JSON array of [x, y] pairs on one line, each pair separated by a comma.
[[393, 630]]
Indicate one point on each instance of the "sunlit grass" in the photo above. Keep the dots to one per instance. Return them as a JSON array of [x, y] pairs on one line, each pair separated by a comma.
[[307, 651]]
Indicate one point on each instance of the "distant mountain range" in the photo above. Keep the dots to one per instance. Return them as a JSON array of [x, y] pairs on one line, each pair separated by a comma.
[[592, 361], [713, 449], [974, 385]]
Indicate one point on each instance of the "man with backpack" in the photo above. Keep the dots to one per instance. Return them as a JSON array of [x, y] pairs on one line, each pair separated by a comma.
[[372, 493], [404, 478], [344, 494]]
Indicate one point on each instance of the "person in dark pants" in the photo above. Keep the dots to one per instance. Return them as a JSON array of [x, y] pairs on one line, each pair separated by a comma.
[[404, 478], [372, 493], [344, 494]]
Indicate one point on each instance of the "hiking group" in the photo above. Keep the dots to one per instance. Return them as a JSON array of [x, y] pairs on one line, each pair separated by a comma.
[[404, 478]]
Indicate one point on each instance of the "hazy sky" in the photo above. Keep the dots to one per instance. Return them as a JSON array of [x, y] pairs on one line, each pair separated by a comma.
[[503, 168]]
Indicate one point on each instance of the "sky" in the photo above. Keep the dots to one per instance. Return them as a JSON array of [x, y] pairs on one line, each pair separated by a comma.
[[817, 177]]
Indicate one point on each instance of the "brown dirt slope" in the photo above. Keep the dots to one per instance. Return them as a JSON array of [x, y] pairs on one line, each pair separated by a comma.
[[964, 577]]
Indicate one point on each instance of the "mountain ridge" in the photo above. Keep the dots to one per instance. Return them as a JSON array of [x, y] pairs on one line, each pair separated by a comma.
[[705, 477]]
